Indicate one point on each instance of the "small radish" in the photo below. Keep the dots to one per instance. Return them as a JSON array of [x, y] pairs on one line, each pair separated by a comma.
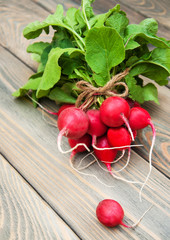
[[139, 118], [118, 137], [110, 213], [114, 112], [105, 156], [72, 123], [96, 127], [86, 139]]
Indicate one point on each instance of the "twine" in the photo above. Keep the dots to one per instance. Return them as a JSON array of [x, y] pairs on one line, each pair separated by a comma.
[[89, 92]]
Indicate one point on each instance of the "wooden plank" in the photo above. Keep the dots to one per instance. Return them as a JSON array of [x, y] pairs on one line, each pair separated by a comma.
[[24, 215], [30, 145], [15, 15]]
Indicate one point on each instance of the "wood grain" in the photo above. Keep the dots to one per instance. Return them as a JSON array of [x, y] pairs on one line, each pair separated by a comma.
[[15, 15], [24, 215], [30, 145]]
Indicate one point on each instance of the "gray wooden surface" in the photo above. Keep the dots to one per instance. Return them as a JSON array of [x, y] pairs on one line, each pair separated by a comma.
[[41, 196]]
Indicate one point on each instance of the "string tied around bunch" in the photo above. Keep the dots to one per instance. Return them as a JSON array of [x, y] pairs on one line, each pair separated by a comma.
[[90, 92]]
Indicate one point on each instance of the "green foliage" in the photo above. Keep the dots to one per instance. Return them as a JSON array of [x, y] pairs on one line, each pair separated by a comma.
[[95, 47]]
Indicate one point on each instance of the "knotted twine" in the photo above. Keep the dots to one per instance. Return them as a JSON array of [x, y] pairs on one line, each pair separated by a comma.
[[89, 92]]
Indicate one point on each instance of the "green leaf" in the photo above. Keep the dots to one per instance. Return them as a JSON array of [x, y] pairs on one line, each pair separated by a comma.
[[104, 50], [151, 71], [146, 30], [32, 84], [161, 57], [150, 93], [141, 93], [131, 44], [83, 73], [58, 95], [118, 21], [71, 17], [156, 66], [37, 47], [87, 9], [36, 57], [52, 70], [34, 29]]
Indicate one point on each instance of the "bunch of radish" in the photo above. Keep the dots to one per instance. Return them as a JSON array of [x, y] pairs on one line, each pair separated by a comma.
[[109, 129]]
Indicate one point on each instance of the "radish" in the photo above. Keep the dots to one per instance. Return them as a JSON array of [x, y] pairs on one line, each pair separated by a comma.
[[96, 127], [105, 156], [110, 213], [118, 137], [139, 118], [86, 139], [72, 123], [114, 112]]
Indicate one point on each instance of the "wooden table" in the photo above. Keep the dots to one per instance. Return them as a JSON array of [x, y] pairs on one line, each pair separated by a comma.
[[41, 196]]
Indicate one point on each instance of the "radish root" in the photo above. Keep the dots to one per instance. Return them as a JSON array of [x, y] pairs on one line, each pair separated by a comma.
[[61, 133], [150, 159]]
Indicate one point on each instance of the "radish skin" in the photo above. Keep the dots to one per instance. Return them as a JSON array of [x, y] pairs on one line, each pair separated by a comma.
[[110, 213]]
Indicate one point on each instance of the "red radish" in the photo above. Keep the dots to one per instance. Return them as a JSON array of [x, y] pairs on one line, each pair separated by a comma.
[[105, 156], [139, 118], [110, 213], [86, 139], [118, 137], [96, 127], [72, 123], [112, 110]]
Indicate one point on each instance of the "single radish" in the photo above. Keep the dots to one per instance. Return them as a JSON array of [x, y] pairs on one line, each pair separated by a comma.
[[72, 123], [110, 213], [114, 112], [96, 127], [139, 118], [105, 156], [86, 139], [118, 137]]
